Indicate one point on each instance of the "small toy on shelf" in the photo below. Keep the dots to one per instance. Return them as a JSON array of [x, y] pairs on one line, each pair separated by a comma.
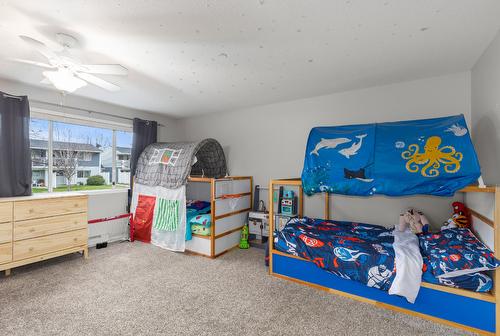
[[415, 220], [460, 218], [244, 238]]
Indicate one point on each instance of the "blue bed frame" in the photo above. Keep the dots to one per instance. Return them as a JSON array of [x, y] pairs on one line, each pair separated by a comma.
[[463, 309]]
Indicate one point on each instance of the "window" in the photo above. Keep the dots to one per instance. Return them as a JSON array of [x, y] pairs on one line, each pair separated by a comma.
[[83, 173], [123, 157], [123, 150], [39, 162], [78, 152], [84, 156]]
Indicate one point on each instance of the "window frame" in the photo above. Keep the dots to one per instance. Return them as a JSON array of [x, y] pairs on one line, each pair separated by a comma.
[[56, 116]]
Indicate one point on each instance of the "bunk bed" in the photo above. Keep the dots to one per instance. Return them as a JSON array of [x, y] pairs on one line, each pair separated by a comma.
[[426, 157], [459, 308], [171, 180]]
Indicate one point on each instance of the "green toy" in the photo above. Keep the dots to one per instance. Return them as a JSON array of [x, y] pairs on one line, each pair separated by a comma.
[[244, 238]]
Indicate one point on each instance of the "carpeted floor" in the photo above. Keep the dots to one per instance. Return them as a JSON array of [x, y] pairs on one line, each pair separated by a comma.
[[139, 289]]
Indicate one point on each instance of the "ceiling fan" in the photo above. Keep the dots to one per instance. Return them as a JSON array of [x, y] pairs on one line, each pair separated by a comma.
[[67, 73]]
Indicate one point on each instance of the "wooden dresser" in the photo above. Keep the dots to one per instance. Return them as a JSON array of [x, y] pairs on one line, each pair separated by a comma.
[[42, 226]]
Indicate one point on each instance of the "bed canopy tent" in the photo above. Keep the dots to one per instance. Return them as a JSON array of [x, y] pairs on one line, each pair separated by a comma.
[[169, 164], [159, 192]]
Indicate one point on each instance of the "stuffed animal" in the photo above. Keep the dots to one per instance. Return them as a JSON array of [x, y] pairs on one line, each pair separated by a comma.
[[461, 217], [461, 209], [415, 220]]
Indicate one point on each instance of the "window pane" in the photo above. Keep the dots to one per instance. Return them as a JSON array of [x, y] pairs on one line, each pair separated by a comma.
[[39, 144], [123, 153], [80, 157]]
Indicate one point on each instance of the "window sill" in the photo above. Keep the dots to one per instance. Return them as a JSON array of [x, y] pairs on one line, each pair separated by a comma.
[[104, 191], [93, 192]]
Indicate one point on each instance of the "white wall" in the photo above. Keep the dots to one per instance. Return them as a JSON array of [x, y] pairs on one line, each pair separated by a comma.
[[269, 141], [486, 111], [104, 205]]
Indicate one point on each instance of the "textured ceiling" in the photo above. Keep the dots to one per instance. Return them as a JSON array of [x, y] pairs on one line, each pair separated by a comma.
[[190, 57]]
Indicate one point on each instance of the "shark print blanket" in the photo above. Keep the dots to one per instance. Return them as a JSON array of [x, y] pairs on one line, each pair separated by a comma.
[[431, 156], [354, 251]]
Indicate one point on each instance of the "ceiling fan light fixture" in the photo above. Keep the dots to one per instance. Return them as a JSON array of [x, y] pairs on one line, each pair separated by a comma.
[[64, 80]]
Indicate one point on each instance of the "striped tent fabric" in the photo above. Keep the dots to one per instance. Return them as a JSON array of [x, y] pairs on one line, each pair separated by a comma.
[[166, 216]]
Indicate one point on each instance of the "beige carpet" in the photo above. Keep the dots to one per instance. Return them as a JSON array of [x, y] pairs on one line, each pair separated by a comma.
[[139, 289]]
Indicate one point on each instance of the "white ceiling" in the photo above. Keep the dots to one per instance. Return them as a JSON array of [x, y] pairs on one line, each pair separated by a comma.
[[188, 57]]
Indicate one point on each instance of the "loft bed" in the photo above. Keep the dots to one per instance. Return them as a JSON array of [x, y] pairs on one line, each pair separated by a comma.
[[460, 308], [230, 201], [375, 264], [182, 186]]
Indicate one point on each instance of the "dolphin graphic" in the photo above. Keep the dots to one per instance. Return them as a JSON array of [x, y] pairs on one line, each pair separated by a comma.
[[328, 143], [353, 150]]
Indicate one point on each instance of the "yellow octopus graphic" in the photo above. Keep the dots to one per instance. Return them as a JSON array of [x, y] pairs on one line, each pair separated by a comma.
[[432, 158]]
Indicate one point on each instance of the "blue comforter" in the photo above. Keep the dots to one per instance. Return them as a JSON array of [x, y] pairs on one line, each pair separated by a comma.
[[359, 252], [431, 156]]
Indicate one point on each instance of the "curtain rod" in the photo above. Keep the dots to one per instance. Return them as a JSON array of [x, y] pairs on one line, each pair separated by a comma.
[[85, 110], [5, 95]]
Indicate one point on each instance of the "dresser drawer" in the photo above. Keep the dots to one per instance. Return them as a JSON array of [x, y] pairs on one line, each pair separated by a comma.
[[47, 226], [5, 232], [5, 212], [5, 253], [37, 246], [48, 207]]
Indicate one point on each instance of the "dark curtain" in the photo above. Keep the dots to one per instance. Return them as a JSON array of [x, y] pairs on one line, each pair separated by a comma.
[[15, 152], [145, 133]]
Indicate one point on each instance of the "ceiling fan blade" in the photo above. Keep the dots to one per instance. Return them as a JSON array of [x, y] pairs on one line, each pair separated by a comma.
[[39, 46], [97, 81], [40, 64], [104, 69]]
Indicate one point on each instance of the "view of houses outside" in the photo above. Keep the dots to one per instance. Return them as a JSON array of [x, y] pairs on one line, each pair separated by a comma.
[[79, 153]]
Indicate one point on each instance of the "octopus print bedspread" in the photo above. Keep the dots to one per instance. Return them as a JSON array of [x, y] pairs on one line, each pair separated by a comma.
[[354, 251]]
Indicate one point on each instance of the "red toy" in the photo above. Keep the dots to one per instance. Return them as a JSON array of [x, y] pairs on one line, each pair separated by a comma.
[[460, 209], [461, 217]]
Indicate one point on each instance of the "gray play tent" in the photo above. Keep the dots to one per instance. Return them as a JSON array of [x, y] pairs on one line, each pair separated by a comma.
[[161, 175], [169, 164]]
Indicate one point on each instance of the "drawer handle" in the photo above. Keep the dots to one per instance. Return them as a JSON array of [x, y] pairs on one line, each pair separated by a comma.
[[31, 249], [31, 210], [32, 230], [75, 239], [76, 205]]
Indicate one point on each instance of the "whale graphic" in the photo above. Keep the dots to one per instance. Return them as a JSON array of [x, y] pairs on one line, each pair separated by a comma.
[[328, 144], [357, 174], [353, 150]]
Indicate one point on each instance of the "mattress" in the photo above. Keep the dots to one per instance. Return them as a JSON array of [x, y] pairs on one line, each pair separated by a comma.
[[355, 251], [360, 252]]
